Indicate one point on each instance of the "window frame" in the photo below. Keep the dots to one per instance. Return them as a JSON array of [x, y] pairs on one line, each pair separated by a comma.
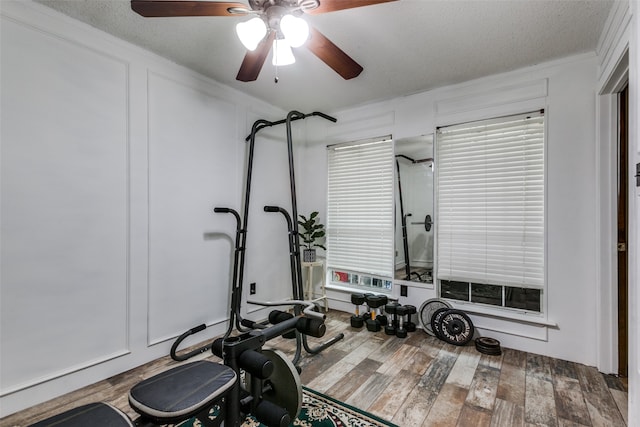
[[500, 310], [339, 264]]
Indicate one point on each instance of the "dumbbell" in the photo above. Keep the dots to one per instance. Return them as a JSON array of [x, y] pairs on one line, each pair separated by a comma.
[[391, 309], [374, 302], [357, 320], [378, 310], [367, 314], [409, 325], [401, 331], [381, 316]]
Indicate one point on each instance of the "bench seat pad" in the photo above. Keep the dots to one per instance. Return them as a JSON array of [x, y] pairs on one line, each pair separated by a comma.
[[94, 414], [182, 392]]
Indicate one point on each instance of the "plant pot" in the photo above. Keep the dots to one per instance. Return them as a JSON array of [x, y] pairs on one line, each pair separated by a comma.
[[309, 255]]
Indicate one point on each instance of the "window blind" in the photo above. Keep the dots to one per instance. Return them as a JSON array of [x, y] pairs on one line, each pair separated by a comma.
[[360, 207], [490, 196]]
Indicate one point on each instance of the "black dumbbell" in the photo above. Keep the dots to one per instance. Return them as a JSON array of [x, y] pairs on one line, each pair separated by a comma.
[[409, 325], [367, 314], [356, 320], [381, 313], [391, 308], [374, 301], [401, 331]]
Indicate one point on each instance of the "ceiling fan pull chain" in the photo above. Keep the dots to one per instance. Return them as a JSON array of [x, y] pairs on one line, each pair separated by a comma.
[[275, 53]]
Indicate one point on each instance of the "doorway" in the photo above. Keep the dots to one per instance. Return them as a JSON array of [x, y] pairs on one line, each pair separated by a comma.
[[622, 225]]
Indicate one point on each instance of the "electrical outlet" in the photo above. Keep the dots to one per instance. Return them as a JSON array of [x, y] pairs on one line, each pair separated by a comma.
[[252, 288], [404, 289]]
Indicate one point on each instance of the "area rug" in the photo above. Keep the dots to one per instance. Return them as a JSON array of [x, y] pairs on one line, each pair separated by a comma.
[[319, 410]]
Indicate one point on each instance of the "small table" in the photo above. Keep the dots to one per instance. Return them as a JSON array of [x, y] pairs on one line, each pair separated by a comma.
[[309, 291]]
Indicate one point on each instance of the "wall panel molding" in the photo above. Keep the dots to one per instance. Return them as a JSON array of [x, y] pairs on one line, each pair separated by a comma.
[[55, 375], [492, 102], [192, 150], [66, 205], [358, 127]]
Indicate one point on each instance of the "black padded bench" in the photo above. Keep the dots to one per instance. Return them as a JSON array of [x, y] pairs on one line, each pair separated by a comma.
[[186, 391], [97, 414], [183, 392]]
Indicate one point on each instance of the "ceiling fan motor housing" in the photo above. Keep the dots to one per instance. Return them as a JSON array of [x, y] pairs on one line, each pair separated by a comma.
[[291, 5]]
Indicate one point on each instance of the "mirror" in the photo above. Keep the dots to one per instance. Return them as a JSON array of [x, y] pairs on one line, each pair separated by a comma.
[[414, 231]]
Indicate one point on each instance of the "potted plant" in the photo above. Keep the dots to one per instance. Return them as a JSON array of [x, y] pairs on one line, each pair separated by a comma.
[[311, 232]]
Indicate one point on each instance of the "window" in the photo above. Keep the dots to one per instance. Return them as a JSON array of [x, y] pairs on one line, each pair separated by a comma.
[[490, 211], [360, 213]]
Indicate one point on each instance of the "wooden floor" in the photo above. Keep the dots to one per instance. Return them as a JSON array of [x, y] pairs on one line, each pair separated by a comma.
[[418, 381]]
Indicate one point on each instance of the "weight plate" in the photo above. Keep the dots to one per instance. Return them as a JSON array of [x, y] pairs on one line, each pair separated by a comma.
[[492, 352], [497, 352], [286, 388], [436, 321], [456, 327], [487, 342], [427, 309], [488, 346]]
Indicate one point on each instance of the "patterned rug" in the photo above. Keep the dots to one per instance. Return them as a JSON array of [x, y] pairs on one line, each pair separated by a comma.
[[319, 410]]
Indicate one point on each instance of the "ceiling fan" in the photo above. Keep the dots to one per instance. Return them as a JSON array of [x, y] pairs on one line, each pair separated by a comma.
[[275, 23]]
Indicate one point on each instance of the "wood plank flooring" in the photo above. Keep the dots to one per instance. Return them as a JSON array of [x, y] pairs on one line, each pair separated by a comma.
[[417, 381]]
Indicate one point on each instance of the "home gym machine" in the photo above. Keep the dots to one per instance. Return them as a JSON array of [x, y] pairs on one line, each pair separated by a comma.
[[291, 220], [252, 381], [235, 319]]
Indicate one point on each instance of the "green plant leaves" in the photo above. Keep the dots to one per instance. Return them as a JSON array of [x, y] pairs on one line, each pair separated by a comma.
[[312, 230]]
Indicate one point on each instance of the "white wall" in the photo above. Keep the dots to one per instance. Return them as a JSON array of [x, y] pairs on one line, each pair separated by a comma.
[[566, 89], [112, 160]]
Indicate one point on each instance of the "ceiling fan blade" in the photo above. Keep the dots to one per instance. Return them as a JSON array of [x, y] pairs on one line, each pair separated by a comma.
[[168, 8], [333, 5], [254, 60], [332, 55]]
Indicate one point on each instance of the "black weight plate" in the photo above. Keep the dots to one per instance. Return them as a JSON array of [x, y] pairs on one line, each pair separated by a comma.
[[488, 346], [489, 351], [427, 309], [482, 347], [487, 342], [436, 321], [456, 327], [286, 388]]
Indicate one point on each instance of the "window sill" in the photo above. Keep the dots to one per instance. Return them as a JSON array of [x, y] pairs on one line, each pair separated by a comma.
[[505, 314], [357, 290]]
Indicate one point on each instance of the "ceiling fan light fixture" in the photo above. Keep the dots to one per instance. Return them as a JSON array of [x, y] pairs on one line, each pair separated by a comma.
[[294, 29], [251, 32], [282, 53]]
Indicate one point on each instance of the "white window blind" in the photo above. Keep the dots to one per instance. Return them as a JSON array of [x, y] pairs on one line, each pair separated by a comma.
[[490, 192], [360, 207]]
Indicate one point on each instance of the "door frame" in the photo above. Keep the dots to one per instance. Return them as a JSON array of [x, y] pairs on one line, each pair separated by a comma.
[[606, 214]]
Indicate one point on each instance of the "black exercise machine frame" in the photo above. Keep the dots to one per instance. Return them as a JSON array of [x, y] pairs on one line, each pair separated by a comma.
[[292, 223], [240, 354], [235, 318], [231, 349]]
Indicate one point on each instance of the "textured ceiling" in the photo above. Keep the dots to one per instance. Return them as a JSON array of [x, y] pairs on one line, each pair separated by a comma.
[[405, 47]]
